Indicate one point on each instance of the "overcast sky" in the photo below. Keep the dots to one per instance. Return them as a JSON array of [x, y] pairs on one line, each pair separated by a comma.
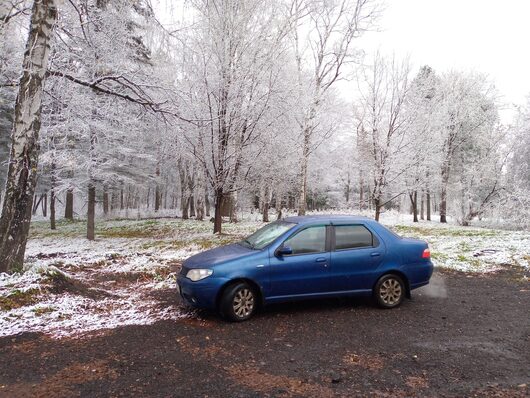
[[484, 35]]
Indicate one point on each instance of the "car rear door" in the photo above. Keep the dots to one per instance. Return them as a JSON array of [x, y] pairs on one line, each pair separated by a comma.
[[305, 271], [356, 252]]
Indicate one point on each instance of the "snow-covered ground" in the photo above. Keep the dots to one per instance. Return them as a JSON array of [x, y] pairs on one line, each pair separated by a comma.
[[72, 286]]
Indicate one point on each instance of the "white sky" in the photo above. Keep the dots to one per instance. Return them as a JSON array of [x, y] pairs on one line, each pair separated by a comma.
[[483, 35], [489, 36]]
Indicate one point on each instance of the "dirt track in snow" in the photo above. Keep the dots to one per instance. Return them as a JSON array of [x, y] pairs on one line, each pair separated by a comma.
[[473, 342]]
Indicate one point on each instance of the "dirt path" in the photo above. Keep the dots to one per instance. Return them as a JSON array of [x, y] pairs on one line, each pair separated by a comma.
[[474, 342]]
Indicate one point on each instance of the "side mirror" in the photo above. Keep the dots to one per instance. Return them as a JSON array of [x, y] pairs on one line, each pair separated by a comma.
[[284, 251]]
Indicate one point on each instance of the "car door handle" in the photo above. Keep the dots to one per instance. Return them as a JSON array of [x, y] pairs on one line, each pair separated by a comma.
[[375, 254], [320, 260]]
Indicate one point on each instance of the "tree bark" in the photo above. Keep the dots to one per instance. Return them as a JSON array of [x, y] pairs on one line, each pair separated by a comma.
[[23, 159], [105, 201], [207, 204], [443, 194], [377, 205], [428, 200], [157, 190], [69, 205], [52, 198], [266, 204], [52, 209], [414, 201], [279, 208], [218, 220], [44, 204], [422, 206], [303, 173], [91, 212]]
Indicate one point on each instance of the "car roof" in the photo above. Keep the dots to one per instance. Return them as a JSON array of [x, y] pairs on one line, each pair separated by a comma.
[[333, 218]]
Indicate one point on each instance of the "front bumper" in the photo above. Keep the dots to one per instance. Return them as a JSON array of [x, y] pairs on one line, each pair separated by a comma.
[[200, 294]]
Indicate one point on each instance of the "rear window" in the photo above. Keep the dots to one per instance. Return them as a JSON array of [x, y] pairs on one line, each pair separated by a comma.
[[352, 236]]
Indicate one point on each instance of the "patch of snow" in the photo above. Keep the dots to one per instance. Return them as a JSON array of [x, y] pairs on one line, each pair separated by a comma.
[[68, 315]]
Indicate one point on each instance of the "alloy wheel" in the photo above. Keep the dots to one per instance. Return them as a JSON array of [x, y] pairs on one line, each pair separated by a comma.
[[390, 291], [243, 303]]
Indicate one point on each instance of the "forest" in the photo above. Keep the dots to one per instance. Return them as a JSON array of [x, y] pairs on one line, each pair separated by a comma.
[[110, 111]]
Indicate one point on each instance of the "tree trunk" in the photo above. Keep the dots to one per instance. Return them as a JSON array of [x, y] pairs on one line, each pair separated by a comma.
[[23, 159], [414, 201], [233, 207], [192, 206], [36, 204], [303, 188], [443, 193], [218, 220], [157, 190], [279, 211], [91, 212], [377, 211], [266, 204], [303, 172], [207, 204], [147, 197], [428, 200], [52, 197], [52, 209], [422, 206], [361, 190], [443, 204], [44, 204], [105, 201], [377, 204], [200, 207], [69, 205]]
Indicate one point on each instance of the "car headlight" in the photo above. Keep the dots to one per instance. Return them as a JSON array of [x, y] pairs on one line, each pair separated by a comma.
[[198, 274]]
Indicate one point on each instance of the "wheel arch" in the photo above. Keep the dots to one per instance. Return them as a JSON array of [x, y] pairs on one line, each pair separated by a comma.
[[255, 286]]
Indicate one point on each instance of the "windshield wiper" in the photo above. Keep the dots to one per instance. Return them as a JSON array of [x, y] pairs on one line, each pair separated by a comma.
[[248, 242]]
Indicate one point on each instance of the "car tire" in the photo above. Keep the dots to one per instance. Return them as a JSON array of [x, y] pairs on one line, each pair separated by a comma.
[[389, 291], [238, 302]]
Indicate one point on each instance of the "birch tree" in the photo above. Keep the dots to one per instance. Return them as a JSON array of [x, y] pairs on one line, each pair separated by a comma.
[[23, 160]]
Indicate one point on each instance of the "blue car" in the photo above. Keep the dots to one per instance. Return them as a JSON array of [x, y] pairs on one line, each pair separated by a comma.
[[306, 257]]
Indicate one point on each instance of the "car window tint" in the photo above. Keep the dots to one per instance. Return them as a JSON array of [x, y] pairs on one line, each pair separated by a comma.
[[352, 236], [309, 240]]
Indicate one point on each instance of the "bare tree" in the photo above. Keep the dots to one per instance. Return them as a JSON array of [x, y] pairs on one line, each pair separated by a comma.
[[384, 90], [333, 26]]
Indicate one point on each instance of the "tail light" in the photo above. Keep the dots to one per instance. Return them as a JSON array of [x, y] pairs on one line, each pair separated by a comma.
[[426, 253]]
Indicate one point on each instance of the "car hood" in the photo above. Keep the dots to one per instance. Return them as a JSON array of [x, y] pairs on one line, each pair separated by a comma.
[[217, 256]]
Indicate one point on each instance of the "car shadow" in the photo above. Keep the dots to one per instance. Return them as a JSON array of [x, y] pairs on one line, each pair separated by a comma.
[[318, 305]]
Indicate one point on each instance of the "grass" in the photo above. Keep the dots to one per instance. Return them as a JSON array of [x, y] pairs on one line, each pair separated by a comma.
[[455, 232], [451, 246], [18, 298], [43, 310], [130, 229]]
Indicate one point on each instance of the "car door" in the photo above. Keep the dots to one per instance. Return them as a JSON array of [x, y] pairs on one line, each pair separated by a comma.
[[305, 271], [356, 253]]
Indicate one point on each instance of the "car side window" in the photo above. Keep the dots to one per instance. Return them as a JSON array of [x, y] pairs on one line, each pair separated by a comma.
[[352, 237], [309, 240]]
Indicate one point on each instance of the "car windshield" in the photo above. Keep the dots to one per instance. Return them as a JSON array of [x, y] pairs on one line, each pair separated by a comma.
[[263, 236]]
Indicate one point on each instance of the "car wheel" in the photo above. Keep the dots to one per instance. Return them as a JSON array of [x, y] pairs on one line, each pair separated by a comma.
[[389, 291], [238, 302]]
